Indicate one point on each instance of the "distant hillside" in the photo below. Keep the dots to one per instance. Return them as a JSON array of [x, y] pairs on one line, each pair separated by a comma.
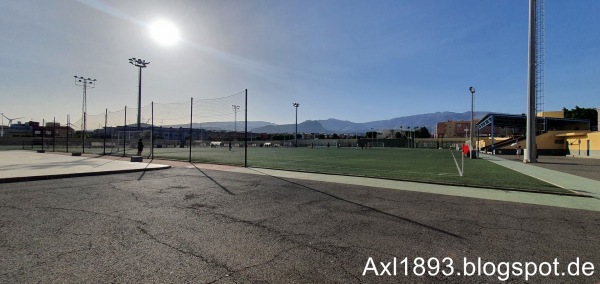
[[343, 126], [225, 125], [333, 125], [309, 126]]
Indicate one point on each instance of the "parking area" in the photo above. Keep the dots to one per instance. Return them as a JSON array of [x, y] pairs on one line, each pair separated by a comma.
[[198, 225]]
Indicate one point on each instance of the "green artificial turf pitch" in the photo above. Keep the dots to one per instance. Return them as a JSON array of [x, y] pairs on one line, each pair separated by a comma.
[[422, 165]]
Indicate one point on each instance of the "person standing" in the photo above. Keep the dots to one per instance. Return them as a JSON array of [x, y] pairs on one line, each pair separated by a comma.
[[519, 152], [140, 147]]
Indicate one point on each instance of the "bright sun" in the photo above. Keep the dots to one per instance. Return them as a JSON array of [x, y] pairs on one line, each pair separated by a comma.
[[164, 32]]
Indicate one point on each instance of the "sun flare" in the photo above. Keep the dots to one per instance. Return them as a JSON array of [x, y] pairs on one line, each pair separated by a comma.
[[164, 32]]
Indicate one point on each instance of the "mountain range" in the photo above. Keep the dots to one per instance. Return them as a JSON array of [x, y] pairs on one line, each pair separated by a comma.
[[332, 125]]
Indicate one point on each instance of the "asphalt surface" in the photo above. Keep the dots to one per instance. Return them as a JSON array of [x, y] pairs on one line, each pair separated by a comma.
[[192, 225], [583, 167]]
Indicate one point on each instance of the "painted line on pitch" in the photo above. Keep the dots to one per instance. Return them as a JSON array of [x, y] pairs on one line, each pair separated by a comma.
[[455, 162]]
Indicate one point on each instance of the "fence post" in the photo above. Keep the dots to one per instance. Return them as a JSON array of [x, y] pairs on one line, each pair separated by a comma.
[[191, 120], [124, 127], [54, 135], [68, 127], [43, 130], [152, 132], [246, 129], [105, 119]]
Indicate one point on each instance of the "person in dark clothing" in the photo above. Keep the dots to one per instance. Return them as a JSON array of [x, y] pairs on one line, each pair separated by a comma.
[[140, 147]]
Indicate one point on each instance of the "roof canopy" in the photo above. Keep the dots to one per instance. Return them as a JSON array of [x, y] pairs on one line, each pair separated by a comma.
[[520, 121]]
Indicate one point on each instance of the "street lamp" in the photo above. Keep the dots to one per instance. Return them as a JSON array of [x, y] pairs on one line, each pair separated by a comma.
[[412, 131], [472, 90], [140, 63], [296, 105], [85, 83], [408, 137], [235, 109], [415, 128]]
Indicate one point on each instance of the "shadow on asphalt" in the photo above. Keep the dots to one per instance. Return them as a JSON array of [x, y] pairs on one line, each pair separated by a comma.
[[213, 180], [365, 206], [144, 172]]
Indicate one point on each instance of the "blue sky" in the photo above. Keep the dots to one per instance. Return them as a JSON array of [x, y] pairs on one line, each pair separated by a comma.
[[353, 60]]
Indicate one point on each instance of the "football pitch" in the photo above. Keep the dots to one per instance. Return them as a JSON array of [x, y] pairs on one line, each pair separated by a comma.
[[421, 165]]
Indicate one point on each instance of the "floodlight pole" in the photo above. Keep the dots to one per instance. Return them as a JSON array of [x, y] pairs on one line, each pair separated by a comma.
[[472, 90], [140, 63], [530, 155], [296, 105], [408, 137], [235, 109], [414, 137], [85, 83]]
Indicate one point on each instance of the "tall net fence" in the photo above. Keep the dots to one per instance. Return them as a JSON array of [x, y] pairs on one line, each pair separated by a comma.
[[222, 135], [171, 123], [197, 130], [215, 131]]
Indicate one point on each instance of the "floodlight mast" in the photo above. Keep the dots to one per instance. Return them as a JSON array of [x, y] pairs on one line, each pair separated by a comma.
[[472, 90], [530, 155], [235, 110], [296, 105], [140, 63], [85, 83]]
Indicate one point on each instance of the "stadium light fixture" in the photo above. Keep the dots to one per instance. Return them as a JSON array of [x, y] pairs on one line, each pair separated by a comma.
[[140, 63], [472, 90]]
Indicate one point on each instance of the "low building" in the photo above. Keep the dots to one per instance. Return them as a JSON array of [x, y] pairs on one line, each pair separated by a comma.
[[555, 136], [460, 129]]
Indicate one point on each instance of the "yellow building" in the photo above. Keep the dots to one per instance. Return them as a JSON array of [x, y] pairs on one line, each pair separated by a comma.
[[552, 114]]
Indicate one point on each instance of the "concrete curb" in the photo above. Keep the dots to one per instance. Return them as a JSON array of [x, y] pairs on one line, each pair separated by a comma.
[[71, 175]]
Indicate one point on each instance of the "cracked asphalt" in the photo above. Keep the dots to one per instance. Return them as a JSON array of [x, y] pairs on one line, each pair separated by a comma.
[[190, 225]]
